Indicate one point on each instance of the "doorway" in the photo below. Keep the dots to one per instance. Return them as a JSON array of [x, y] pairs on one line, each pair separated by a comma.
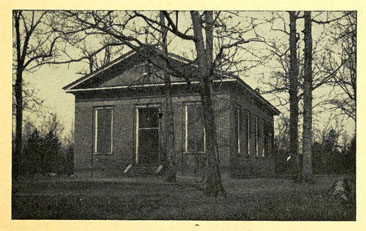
[[147, 135]]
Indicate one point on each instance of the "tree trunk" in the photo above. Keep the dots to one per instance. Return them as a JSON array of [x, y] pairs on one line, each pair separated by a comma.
[[213, 175], [17, 158], [169, 119], [18, 90], [307, 125], [294, 108]]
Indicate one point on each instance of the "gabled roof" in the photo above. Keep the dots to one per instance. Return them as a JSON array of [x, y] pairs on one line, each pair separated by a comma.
[[96, 80], [132, 59]]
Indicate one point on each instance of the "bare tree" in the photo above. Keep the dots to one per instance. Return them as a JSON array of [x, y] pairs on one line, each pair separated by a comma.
[[120, 27], [342, 64], [285, 84], [31, 101], [205, 61], [96, 58], [308, 98], [33, 44], [308, 83], [294, 107], [169, 116], [322, 72]]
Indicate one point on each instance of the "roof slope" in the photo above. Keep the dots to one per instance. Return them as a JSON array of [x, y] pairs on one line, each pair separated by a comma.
[[136, 59], [134, 69]]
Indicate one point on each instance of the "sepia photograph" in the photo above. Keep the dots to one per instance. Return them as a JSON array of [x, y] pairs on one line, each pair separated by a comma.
[[203, 115]]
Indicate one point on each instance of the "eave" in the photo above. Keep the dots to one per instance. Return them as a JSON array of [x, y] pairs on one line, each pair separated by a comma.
[[225, 80]]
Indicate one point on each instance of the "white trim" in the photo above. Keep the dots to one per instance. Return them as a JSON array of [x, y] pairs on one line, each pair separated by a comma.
[[204, 139], [186, 129], [120, 59], [143, 85], [155, 128], [148, 105], [262, 138], [177, 57], [96, 131], [241, 82], [137, 134], [238, 127], [137, 107], [248, 131], [100, 70], [112, 128]]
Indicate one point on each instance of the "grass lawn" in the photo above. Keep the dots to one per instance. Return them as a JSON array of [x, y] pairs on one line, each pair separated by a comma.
[[152, 199]]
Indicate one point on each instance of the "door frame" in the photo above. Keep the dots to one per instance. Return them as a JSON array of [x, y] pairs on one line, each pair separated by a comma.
[[137, 120]]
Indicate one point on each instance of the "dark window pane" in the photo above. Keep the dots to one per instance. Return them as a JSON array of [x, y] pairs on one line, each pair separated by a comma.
[[256, 135], [266, 138], [104, 129], [148, 117], [236, 133], [195, 133], [247, 131], [148, 145], [200, 141]]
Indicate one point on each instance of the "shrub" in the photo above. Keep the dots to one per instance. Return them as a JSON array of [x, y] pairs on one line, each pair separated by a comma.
[[45, 154]]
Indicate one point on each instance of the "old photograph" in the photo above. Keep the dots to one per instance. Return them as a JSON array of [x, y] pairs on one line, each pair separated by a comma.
[[184, 115]]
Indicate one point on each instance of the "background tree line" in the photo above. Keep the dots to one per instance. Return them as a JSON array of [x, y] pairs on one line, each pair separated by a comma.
[[47, 151]]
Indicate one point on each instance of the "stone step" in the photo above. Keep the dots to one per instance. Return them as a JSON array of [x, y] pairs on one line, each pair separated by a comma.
[[141, 170]]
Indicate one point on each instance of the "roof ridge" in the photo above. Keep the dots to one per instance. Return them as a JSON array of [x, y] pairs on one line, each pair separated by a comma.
[[217, 72]]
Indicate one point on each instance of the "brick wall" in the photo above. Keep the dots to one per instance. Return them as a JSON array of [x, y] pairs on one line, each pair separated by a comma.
[[123, 152], [244, 164]]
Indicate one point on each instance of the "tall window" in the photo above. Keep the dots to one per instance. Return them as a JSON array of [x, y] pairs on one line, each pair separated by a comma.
[[262, 138], [247, 131], [237, 127], [265, 139], [195, 136], [268, 135], [103, 130]]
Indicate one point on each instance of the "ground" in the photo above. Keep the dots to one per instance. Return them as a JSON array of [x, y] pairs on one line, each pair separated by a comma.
[[152, 199]]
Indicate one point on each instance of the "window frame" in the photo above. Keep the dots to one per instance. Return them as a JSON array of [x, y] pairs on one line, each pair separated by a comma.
[[185, 121], [268, 138], [238, 127], [265, 139], [95, 129], [248, 131], [262, 137], [137, 126]]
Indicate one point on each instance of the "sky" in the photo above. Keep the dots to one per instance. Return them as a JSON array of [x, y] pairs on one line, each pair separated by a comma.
[[49, 80]]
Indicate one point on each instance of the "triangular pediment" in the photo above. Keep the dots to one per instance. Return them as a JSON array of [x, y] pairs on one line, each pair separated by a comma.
[[129, 70], [136, 69]]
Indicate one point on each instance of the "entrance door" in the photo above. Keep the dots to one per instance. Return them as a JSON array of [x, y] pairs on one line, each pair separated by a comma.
[[147, 135]]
